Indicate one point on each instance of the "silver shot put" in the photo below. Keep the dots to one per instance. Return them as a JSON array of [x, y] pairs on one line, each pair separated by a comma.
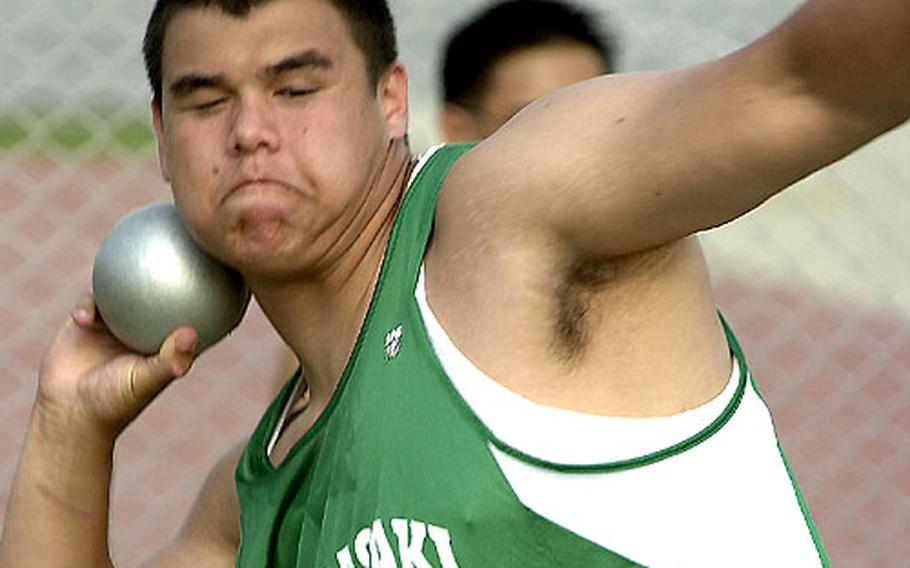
[[150, 277]]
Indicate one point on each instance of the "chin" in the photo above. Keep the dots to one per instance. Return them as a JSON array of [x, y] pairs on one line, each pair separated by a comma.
[[249, 249]]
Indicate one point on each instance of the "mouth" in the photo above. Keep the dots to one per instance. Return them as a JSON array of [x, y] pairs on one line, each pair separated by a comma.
[[257, 185]]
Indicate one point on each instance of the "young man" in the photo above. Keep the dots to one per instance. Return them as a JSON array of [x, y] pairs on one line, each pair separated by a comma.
[[510, 54], [529, 371]]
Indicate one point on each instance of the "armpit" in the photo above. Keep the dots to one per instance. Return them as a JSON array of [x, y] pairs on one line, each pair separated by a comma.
[[588, 282]]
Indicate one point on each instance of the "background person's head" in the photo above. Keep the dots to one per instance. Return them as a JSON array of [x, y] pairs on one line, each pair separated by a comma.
[[512, 53], [370, 22]]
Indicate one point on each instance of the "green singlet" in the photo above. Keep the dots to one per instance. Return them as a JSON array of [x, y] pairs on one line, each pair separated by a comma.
[[395, 472], [407, 468]]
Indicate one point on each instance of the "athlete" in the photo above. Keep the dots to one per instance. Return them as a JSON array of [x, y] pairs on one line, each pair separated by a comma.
[[511, 354]]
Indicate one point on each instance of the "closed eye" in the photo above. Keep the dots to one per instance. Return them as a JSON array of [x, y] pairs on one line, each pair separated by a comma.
[[210, 104], [290, 93]]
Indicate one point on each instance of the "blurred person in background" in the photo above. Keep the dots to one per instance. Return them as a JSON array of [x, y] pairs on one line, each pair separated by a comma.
[[512, 53]]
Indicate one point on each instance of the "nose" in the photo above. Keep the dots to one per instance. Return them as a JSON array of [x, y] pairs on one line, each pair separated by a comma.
[[253, 128]]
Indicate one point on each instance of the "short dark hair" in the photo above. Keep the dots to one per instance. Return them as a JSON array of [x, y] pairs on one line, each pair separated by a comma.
[[370, 22], [476, 45]]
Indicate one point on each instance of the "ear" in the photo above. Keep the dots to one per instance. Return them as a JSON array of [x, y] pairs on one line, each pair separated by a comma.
[[159, 136], [393, 96], [457, 124]]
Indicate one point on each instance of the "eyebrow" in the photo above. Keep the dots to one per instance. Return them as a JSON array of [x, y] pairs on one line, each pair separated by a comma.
[[192, 82], [305, 59]]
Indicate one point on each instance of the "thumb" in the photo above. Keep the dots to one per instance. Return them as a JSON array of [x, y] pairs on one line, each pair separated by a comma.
[[148, 377]]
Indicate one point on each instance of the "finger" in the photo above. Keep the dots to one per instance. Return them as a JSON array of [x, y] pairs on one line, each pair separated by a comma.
[[180, 350], [150, 376], [85, 312], [87, 315]]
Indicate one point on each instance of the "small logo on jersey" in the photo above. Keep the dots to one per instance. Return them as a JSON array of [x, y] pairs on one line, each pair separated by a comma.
[[393, 343]]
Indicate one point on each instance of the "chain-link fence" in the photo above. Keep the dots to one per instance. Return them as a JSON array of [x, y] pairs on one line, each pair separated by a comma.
[[816, 282]]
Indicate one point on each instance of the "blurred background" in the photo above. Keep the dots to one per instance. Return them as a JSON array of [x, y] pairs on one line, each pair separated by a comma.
[[816, 283]]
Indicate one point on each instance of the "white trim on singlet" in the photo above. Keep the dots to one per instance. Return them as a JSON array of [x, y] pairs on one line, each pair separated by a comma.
[[550, 433], [422, 161], [728, 501]]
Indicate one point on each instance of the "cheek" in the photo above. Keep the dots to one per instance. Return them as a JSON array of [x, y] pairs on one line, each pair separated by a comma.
[[336, 144], [195, 167], [192, 145], [194, 175]]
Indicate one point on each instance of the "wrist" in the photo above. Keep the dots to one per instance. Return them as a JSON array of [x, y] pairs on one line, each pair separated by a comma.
[[65, 441], [69, 422], [72, 469]]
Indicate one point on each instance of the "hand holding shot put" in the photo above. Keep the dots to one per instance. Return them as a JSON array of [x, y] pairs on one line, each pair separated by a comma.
[[89, 374], [159, 300]]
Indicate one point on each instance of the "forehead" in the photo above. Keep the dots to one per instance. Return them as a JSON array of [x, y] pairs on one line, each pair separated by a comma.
[[208, 40]]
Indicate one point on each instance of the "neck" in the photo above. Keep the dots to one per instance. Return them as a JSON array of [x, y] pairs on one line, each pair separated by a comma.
[[319, 315]]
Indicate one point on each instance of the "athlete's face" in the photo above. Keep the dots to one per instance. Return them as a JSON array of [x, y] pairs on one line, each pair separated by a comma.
[[271, 132], [516, 80]]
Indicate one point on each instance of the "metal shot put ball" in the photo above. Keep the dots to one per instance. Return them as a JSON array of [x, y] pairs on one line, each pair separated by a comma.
[[150, 278]]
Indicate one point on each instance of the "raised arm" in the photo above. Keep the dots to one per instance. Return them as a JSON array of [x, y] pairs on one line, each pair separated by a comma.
[[625, 163]]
